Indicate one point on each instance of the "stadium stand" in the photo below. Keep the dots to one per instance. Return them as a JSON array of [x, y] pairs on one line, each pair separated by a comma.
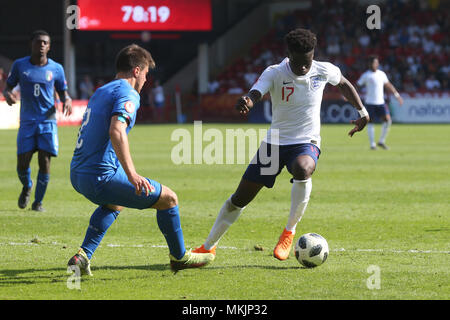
[[412, 45], [411, 54]]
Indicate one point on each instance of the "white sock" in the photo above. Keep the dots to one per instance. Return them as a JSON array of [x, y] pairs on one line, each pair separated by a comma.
[[228, 214], [371, 133], [300, 192], [384, 130]]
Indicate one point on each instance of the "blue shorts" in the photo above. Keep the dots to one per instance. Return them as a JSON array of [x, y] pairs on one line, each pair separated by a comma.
[[114, 189], [159, 104], [265, 168], [377, 111], [34, 136]]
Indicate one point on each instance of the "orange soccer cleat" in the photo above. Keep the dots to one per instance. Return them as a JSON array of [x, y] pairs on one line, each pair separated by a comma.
[[283, 247], [203, 250]]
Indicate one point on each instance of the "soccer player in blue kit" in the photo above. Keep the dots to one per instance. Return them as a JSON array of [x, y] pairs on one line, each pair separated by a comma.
[[38, 77], [102, 168]]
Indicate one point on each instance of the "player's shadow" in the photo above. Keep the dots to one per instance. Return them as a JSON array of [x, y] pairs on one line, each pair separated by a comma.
[[10, 277], [445, 229], [18, 276], [150, 267]]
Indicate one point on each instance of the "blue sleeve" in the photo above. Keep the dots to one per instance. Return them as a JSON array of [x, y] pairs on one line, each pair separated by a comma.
[[60, 79], [13, 77], [126, 105]]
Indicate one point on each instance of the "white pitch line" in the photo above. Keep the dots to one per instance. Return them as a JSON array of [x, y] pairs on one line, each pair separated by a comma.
[[19, 244], [391, 250], [113, 245], [151, 246]]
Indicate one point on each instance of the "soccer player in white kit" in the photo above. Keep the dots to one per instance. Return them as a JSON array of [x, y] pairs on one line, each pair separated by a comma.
[[375, 80], [296, 87]]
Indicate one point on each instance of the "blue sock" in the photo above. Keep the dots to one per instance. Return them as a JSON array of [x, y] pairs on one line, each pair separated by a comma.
[[101, 220], [41, 186], [25, 178], [170, 226]]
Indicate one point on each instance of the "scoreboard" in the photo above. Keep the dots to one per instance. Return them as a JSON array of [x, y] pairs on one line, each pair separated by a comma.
[[152, 15]]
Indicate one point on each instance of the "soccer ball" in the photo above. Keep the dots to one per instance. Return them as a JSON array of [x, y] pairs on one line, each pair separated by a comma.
[[311, 250]]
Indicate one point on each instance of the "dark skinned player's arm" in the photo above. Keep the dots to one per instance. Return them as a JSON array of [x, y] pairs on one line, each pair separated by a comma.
[[9, 96], [349, 92], [246, 102]]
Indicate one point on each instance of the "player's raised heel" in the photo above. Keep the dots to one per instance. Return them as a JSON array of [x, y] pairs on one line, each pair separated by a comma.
[[81, 261], [24, 198], [203, 250], [190, 260], [284, 245]]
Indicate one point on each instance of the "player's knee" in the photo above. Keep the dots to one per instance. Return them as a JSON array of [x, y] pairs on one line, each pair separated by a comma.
[[172, 199], [44, 159], [168, 199], [22, 167], [303, 172], [114, 207], [23, 161], [245, 193], [239, 201]]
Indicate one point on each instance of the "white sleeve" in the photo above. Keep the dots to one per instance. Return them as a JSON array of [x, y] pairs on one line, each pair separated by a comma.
[[265, 81], [333, 74], [362, 80], [385, 78]]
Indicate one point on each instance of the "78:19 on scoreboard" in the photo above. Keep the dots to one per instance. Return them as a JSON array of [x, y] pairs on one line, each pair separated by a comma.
[[139, 14]]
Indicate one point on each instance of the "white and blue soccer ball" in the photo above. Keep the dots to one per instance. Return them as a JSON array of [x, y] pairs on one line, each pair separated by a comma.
[[311, 250]]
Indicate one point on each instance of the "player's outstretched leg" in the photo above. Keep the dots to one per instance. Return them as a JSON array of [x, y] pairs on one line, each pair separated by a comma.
[[102, 218], [168, 219], [229, 213]]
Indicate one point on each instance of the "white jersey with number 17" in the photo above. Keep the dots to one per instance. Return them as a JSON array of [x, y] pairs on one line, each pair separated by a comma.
[[296, 101]]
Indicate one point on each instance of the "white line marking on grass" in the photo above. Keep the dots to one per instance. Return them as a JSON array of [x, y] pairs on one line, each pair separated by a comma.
[[391, 250], [20, 244], [114, 245], [153, 246]]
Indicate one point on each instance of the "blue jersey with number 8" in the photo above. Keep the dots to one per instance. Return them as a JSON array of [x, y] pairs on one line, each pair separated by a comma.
[[37, 83], [94, 153]]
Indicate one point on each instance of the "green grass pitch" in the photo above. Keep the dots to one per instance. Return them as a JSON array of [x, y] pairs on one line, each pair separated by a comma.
[[389, 209]]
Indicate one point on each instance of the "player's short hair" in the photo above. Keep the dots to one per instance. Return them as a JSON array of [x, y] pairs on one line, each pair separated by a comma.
[[300, 40], [133, 56], [38, 33], [371, 58]]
